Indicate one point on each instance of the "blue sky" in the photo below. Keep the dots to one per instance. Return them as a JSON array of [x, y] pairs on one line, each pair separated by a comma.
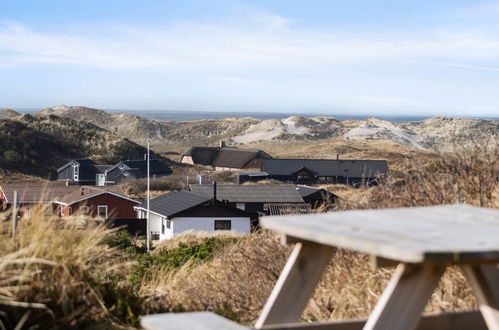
[[333, 57]]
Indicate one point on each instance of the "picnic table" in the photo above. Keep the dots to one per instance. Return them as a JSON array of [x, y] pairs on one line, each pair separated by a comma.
[[421, 241], [424, 241]]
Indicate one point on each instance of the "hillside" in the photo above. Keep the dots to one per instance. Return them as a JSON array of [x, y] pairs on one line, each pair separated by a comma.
[[139, 129], [7, 113], [38, 145], [435, 133]]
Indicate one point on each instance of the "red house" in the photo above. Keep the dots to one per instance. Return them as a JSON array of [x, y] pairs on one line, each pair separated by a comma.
[[97, 203]]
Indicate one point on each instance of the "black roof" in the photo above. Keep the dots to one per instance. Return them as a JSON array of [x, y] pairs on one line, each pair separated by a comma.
[[326, 167], [237, 158], [306, 191], [264, 193], [85, 163], [202, 155], [139, 167], [175, 202], [224, 157]]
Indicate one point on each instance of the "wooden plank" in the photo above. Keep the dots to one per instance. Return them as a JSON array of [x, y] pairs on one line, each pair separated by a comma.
[[188, 321], [296, 284], [443, 321], [484, 281], [449, 233], [402, 302]]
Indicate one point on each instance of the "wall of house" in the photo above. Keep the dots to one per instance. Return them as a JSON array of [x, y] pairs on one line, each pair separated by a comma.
[[255, 163], [116, 207], [187, 160], [182, 224], [155, 221]]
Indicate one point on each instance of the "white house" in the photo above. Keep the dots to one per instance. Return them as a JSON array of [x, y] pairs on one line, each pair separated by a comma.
[[181, 211]]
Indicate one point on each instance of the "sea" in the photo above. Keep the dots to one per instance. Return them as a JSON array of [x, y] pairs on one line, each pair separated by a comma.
[[182, 115]]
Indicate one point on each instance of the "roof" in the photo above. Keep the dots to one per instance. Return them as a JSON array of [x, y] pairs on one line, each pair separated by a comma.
[[224, 157], [234, 193], [86, 192], [102, 168], [174, 202], [305, 191], [237, 158], [202, 155], [252, 174], [85, 163], [140, 167], [327, 167], [40, 193]]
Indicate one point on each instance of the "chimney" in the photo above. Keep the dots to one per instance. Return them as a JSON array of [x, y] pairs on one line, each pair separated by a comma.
[[337, 156], [214, 192], [82, 190], [222, 144]]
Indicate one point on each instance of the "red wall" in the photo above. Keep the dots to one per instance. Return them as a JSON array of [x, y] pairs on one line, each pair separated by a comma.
[[116, 207]]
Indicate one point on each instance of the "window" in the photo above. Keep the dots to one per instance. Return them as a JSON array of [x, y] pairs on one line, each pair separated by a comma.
[[168, 224], [241, 206], [70, 211], [102, 211], [222, 224], [84, 209], [162, 226]]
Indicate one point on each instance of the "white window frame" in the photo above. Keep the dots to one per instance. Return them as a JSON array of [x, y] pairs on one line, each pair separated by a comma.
[[76, 172], [98, 210], [84, 209]]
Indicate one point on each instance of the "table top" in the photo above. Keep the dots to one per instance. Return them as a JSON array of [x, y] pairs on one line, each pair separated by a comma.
[[449, 233]]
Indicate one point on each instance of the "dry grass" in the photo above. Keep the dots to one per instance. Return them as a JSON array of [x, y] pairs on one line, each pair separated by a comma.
[[55, 275], [239, 279]]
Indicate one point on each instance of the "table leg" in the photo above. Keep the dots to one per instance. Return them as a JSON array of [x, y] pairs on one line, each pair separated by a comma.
[[404, 299], [296, 284], [484, 281]]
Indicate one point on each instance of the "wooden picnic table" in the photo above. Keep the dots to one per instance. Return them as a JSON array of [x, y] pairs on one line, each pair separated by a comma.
[[423, 241]]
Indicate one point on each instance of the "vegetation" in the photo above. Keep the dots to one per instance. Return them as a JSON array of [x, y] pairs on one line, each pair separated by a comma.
[[38, 145], [55, 275]]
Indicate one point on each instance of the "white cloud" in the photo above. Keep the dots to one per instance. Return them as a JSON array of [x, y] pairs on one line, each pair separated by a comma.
[[473, 67], [260, 40]]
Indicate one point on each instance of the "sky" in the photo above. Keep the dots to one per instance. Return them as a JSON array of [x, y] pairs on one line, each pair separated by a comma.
[[320, 56]]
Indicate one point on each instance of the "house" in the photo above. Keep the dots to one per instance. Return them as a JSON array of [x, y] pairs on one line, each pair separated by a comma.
[[83, 172], [225, 158], [87, 172], [28, 196], [181, 211], [95, 202], [254, 198], [136, 169], [310, 171], [316, 197]]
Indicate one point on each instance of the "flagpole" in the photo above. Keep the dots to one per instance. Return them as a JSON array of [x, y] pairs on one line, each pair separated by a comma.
[[148, 198]]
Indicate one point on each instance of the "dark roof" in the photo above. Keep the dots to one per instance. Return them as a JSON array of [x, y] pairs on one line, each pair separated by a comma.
[[86, 192], [41, 193], [253, 174], [202, 155], [307, 191], [237, 158], [86, 163], [224, 157], [327, 167], [138, 168], [175, 202], [234, 193], [102, 168]]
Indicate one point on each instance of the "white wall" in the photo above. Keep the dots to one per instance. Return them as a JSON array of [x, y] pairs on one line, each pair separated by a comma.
[[181, 224]]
